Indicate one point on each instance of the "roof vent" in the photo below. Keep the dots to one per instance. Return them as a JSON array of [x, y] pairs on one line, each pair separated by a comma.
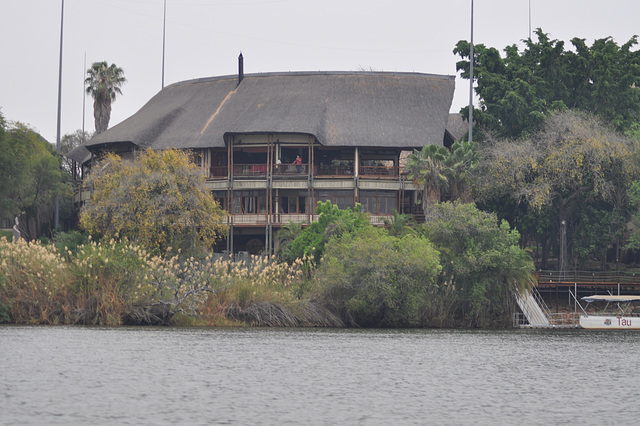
[[240, 68]]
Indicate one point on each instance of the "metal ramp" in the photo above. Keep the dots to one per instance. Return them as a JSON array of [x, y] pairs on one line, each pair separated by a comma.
[[532, 310]]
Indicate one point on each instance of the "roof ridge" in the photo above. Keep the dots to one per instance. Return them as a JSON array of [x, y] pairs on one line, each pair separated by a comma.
[[312, 73]]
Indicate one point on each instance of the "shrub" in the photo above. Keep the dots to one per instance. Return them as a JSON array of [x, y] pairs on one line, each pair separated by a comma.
[[373, 279]]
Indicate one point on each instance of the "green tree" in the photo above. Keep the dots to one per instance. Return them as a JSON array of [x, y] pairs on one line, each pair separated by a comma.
[[69, 142], [30, 179], [285, 237], [482, 258], [574, 160], [426, 167], [400, 224], [518, 90], [459, 168], [103, 83], [159, 200], [373, 279], [332, 222]]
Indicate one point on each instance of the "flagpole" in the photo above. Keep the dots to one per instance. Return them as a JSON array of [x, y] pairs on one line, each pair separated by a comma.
[[164, 27], [56, 217], [471, 80]]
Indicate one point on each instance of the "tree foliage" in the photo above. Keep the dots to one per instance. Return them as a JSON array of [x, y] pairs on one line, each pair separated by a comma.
[[377, 280], [443, 174], [159, 200], [30, 178], [103, 83], [332, 222], [572, 161], [518, 90], [68, 143], [482, 257]]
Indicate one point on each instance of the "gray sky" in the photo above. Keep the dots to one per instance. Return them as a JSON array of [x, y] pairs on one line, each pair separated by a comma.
[[204, 38]]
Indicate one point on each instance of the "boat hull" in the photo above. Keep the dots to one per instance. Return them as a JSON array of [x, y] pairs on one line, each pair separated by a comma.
[[609, 322]]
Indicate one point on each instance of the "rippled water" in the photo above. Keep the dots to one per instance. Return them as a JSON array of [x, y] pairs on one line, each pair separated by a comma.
[[74, 375]]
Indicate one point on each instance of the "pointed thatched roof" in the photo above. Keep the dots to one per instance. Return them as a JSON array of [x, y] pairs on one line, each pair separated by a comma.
[[371, 109]]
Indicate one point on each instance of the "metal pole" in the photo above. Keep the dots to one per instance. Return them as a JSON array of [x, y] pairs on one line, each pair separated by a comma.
[[471, 80], [84, 95], [164, 26], [56, 218], [529, 18]]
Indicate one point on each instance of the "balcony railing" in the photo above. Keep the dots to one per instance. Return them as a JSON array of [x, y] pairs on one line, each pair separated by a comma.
[[290, 170], [218, 172], [293, 170], [327, 170], [381, 171], [249, 170]]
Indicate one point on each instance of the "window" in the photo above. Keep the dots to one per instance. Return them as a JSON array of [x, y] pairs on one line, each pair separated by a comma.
[[249, 202], [340, 198], [378, 202], [293, 202]]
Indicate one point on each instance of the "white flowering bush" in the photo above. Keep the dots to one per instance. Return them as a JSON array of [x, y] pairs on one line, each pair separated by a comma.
[[118, 282], [34, 283]]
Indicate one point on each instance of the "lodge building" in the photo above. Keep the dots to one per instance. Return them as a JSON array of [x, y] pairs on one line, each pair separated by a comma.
[[273, 145]]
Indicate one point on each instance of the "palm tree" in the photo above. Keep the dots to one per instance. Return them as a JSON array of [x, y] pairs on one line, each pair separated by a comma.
[[285, 237], [103, 84], [400, 224], [459, 167], [426, 167]]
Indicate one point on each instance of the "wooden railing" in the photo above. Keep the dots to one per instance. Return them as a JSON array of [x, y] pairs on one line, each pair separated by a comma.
[[326, 170], [293, 170], [382, 171], [588, 277]]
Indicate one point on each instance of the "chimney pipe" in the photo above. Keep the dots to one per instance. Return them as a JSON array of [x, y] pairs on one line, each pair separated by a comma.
[[240, 68]]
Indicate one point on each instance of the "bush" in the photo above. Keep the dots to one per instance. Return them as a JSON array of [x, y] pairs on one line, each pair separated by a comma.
[[482, 258], [33, 283], [375, 280]]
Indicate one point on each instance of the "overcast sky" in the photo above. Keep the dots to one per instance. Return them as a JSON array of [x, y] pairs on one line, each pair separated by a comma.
[[205, 37]]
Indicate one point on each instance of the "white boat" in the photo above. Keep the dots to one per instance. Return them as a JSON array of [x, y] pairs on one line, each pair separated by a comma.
[[616, 315]]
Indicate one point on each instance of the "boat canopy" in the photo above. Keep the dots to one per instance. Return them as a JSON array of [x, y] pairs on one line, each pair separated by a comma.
[[609, 298]]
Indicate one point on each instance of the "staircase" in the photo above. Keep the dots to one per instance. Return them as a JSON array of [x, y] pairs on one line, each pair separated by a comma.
[[532, 310]]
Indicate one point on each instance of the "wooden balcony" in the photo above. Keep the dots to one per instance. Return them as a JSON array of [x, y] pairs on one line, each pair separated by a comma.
[[302, 170]]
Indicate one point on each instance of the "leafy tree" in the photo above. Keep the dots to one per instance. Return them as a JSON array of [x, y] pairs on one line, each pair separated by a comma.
[[518, 90], [572, 161], [482, 258], [400, 224], [376, 280], [285, 237], [69, 142], [103, 84], [460, 165], [159, 200], [30, 179], [332, 222]]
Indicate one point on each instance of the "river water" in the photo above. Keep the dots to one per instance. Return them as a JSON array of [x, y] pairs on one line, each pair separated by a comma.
[[192, 376]]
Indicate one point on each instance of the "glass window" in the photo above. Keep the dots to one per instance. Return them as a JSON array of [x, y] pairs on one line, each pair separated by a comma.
[[378, 202]]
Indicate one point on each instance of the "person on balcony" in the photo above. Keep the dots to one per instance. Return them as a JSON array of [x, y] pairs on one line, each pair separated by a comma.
[[298, 163]]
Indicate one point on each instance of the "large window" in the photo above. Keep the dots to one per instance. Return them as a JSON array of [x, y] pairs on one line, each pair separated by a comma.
[[340, 198], [378, 202], [249, 202], [292, 202]]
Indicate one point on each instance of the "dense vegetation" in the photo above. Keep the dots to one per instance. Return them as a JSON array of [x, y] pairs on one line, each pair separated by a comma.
[[355, 274], [160, 201], [30, 180]]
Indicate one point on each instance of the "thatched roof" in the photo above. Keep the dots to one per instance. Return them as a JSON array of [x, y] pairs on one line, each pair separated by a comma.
[[457, 126], [371, 109]]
